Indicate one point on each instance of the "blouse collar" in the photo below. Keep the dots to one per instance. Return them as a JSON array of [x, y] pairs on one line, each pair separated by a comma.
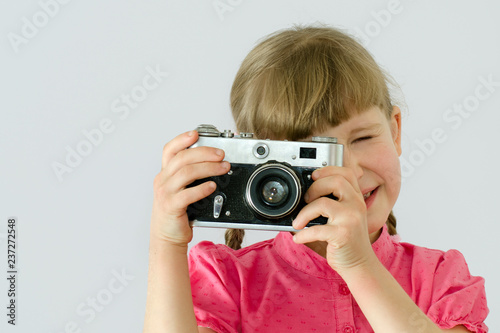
[[306, 260]]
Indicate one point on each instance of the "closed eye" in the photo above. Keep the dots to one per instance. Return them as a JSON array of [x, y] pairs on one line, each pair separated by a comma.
[[363, 138]]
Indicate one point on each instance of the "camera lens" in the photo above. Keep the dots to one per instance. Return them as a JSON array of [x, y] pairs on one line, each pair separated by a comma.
[[273, 190]]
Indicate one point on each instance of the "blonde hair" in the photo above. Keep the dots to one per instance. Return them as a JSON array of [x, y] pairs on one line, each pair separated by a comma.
[[301, 80]]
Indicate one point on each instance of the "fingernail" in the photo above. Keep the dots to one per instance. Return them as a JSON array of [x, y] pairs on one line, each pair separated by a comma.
[[315, 174], [225, 164], [190, 133], [219, 152], [306, 197]]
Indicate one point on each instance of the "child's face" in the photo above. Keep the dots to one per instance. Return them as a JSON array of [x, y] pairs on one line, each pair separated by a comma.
[[372, 146]]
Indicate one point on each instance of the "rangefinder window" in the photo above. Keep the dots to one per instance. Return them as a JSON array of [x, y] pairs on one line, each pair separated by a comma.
[[308, 153]]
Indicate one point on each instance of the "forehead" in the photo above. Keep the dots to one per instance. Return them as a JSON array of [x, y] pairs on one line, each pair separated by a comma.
[[371, 119]]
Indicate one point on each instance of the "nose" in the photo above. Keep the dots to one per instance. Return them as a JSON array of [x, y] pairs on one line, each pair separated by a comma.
[[352, 161]]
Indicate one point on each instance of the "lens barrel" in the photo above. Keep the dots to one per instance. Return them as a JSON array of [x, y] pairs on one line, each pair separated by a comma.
[[273, 190]]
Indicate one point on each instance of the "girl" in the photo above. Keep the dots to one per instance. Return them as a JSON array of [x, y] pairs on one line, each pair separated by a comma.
[[350, 275]]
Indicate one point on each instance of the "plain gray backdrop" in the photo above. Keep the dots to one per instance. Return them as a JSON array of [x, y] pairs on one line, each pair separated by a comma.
[[91, 91]]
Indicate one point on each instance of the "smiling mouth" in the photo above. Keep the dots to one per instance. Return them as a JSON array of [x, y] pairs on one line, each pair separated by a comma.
[[367, 195]]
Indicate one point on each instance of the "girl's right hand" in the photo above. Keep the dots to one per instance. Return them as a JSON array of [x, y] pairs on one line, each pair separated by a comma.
[[180, 167]]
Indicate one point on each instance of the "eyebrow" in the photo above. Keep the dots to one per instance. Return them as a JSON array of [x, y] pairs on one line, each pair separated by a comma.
[[370, 127]]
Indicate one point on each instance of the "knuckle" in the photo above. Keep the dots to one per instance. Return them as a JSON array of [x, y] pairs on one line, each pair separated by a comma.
[[160, 195], [187, 172], [336, 181], [160, 187], [158, 180], [166, 149], [324, 203], [160, 192], [182, 155]]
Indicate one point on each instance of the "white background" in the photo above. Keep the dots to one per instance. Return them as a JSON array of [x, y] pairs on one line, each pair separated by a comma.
[[78, 230]]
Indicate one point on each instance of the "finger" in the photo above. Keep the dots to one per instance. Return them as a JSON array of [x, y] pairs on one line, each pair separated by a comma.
[[192, 156], [320, 207], [335, 170], [191, 195], [315, 233], [177, 144], [189, 173], [336, 184]]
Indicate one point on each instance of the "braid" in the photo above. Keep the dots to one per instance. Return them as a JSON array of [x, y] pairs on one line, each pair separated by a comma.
[[391, 224], [234, 238]]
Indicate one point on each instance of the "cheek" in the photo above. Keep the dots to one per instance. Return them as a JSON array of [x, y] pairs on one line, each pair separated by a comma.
[[388, 168], [394, 177]]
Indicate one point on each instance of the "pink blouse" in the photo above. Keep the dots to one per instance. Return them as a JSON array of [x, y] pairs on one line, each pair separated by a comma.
[[280, 286]]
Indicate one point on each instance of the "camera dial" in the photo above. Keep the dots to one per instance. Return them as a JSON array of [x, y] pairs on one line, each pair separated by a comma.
[[324, 139], [227, 134], [208, 130]]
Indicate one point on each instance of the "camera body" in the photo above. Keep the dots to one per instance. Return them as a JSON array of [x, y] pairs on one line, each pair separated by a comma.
[[268, 178]]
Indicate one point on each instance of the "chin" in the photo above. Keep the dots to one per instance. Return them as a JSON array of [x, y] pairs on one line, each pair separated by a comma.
[[375, 223]]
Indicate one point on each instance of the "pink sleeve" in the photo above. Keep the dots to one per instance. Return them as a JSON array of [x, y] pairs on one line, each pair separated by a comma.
[[458, 298], [215, 288]]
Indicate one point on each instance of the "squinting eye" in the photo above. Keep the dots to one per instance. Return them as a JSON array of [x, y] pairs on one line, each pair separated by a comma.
[[364, 138]]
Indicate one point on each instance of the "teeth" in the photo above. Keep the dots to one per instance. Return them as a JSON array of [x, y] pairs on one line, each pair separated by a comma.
[[367, 195]]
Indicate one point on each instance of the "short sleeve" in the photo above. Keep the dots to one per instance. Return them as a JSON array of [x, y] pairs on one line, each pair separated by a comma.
[[458, 298], [214, 288]]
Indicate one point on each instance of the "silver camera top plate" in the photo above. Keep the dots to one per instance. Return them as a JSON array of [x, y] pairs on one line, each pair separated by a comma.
[[245, 149]]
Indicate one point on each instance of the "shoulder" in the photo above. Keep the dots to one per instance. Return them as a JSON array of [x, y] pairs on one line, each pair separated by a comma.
[[428, 266], [402, 258], [399, 256], [427, 259], [441, 284], [444, 272]]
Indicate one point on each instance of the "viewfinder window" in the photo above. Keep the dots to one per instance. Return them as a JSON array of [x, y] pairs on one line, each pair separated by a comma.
[[308, 153]]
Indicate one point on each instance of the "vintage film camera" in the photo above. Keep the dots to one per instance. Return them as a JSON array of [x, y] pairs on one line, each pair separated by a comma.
[[264, 188]]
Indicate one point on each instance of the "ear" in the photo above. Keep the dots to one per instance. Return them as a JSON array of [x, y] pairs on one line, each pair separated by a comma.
[[395, 124]]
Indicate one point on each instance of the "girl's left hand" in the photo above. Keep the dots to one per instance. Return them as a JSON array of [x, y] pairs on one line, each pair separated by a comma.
[[346, 232]]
